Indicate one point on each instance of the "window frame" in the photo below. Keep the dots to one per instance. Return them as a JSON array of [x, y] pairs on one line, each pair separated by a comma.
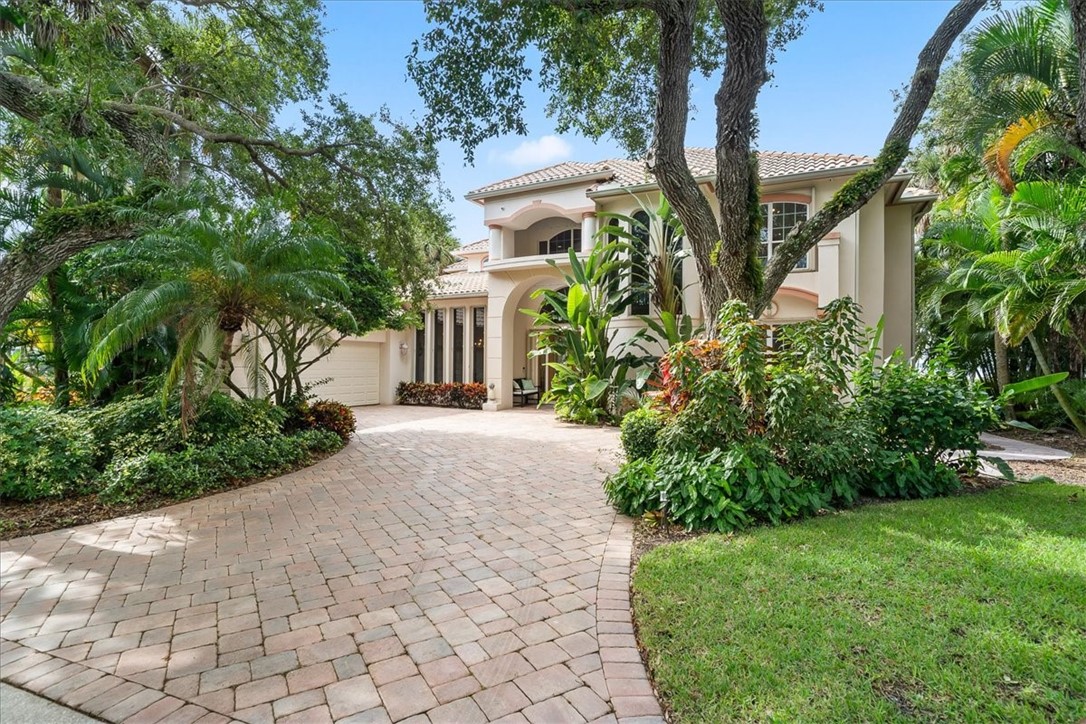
[[547, 246], [768, 244]]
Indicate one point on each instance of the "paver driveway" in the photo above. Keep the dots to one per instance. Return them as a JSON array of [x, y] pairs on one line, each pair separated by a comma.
[[447, 566]]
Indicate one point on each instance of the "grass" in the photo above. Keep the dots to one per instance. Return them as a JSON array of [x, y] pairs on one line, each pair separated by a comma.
[[971, 608]]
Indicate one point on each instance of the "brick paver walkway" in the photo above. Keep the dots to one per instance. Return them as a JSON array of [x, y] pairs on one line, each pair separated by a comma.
[[447, 566]]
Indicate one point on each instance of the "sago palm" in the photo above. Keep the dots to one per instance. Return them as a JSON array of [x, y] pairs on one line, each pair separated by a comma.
[[218, 273]]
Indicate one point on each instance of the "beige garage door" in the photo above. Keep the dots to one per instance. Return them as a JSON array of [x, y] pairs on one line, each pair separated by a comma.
[[352, 371]]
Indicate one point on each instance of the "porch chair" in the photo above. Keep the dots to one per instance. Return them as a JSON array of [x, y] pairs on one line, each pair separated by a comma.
[[525, 391]]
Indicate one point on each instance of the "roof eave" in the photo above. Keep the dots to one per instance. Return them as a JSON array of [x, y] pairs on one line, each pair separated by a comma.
[[550, 183]]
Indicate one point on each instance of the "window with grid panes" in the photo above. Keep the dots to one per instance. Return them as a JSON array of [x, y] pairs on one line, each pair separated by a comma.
[[780, 218]]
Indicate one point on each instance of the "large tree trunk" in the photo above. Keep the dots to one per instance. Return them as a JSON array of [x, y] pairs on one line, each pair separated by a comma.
[[21, 269], [1065, 404], [862, 187], [667, 158], [747, 31]]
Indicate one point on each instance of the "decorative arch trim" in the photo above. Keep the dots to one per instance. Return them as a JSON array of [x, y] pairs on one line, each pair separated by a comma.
[[536, 206], [798, 293]]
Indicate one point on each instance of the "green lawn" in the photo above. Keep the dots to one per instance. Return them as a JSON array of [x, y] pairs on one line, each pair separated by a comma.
[[971, 608]]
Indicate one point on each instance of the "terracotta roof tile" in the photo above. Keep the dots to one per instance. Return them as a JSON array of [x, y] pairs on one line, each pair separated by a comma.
[[475, 247], [461, 283], [702, 162], [557, 172]]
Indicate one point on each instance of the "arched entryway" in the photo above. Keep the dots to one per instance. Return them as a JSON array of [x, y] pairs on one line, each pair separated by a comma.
[[511, 334]]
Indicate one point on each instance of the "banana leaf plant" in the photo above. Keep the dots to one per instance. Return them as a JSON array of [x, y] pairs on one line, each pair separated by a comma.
[[595, 378]]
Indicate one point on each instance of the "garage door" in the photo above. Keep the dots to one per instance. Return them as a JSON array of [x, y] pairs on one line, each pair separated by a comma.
[[352, 371]]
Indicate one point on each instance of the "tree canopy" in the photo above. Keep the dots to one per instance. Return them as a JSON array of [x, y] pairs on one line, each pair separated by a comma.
[[167, 92], [471, 69]]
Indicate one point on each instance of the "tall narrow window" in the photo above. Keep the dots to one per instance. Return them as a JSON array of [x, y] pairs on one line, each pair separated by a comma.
[[458, 344], [420, 354], [780, 218], [478, 344], [439, 345], [639, 268]]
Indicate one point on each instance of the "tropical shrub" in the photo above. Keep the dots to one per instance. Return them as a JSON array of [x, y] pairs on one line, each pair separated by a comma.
[[134, 447], [639, 431], [142, 424], [464, 395], [919, 417], [334, 417], [750, 435], [595, 380], [43, 453], [633, 490]]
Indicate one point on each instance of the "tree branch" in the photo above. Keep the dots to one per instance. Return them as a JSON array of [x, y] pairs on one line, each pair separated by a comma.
[[21, 269], [862, 187]]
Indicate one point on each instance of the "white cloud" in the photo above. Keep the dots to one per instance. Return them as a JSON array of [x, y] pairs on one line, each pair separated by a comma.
[[541, 151]]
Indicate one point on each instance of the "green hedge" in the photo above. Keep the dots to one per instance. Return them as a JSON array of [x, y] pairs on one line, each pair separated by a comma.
[[134, 448], [44, 453]]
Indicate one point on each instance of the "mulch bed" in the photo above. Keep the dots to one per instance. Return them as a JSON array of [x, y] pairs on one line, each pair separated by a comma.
[[1072, 470], [41, 516]]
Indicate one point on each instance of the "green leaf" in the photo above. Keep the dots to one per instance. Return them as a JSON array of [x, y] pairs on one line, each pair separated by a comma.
[[595, 388], [1034, 383]]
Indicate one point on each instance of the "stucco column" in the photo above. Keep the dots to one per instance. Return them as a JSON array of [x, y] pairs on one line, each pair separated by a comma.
[[499, 344], [495, 242], [588, 230], [829, 268]]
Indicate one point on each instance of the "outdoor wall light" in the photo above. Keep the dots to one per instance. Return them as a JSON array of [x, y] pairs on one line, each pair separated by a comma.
[[403, 349]]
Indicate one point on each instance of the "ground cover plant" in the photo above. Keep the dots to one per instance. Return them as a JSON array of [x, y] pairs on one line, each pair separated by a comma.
[[739, 434], [965, 608], [135, 453]]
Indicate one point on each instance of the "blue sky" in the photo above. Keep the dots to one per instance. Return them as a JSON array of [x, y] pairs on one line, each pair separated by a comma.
[[831, 92]]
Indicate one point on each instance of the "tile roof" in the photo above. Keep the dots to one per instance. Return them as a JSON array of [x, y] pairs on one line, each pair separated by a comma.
[[702, 162], [557, 172], [461, 283], [475, 247]]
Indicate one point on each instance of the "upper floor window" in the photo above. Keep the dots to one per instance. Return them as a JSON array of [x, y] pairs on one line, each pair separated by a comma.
[[780, 218], [562, 242]]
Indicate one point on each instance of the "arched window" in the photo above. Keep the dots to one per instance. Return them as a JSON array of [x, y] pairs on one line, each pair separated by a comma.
[[780, 218], [562, 242], [639, 264]]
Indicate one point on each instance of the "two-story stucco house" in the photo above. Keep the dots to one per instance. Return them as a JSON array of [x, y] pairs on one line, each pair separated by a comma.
[[474, 331]]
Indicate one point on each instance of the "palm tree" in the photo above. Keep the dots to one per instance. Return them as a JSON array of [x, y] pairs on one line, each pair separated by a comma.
[[1026, 64], [1042, 278], [217, 273], [970, 226]]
